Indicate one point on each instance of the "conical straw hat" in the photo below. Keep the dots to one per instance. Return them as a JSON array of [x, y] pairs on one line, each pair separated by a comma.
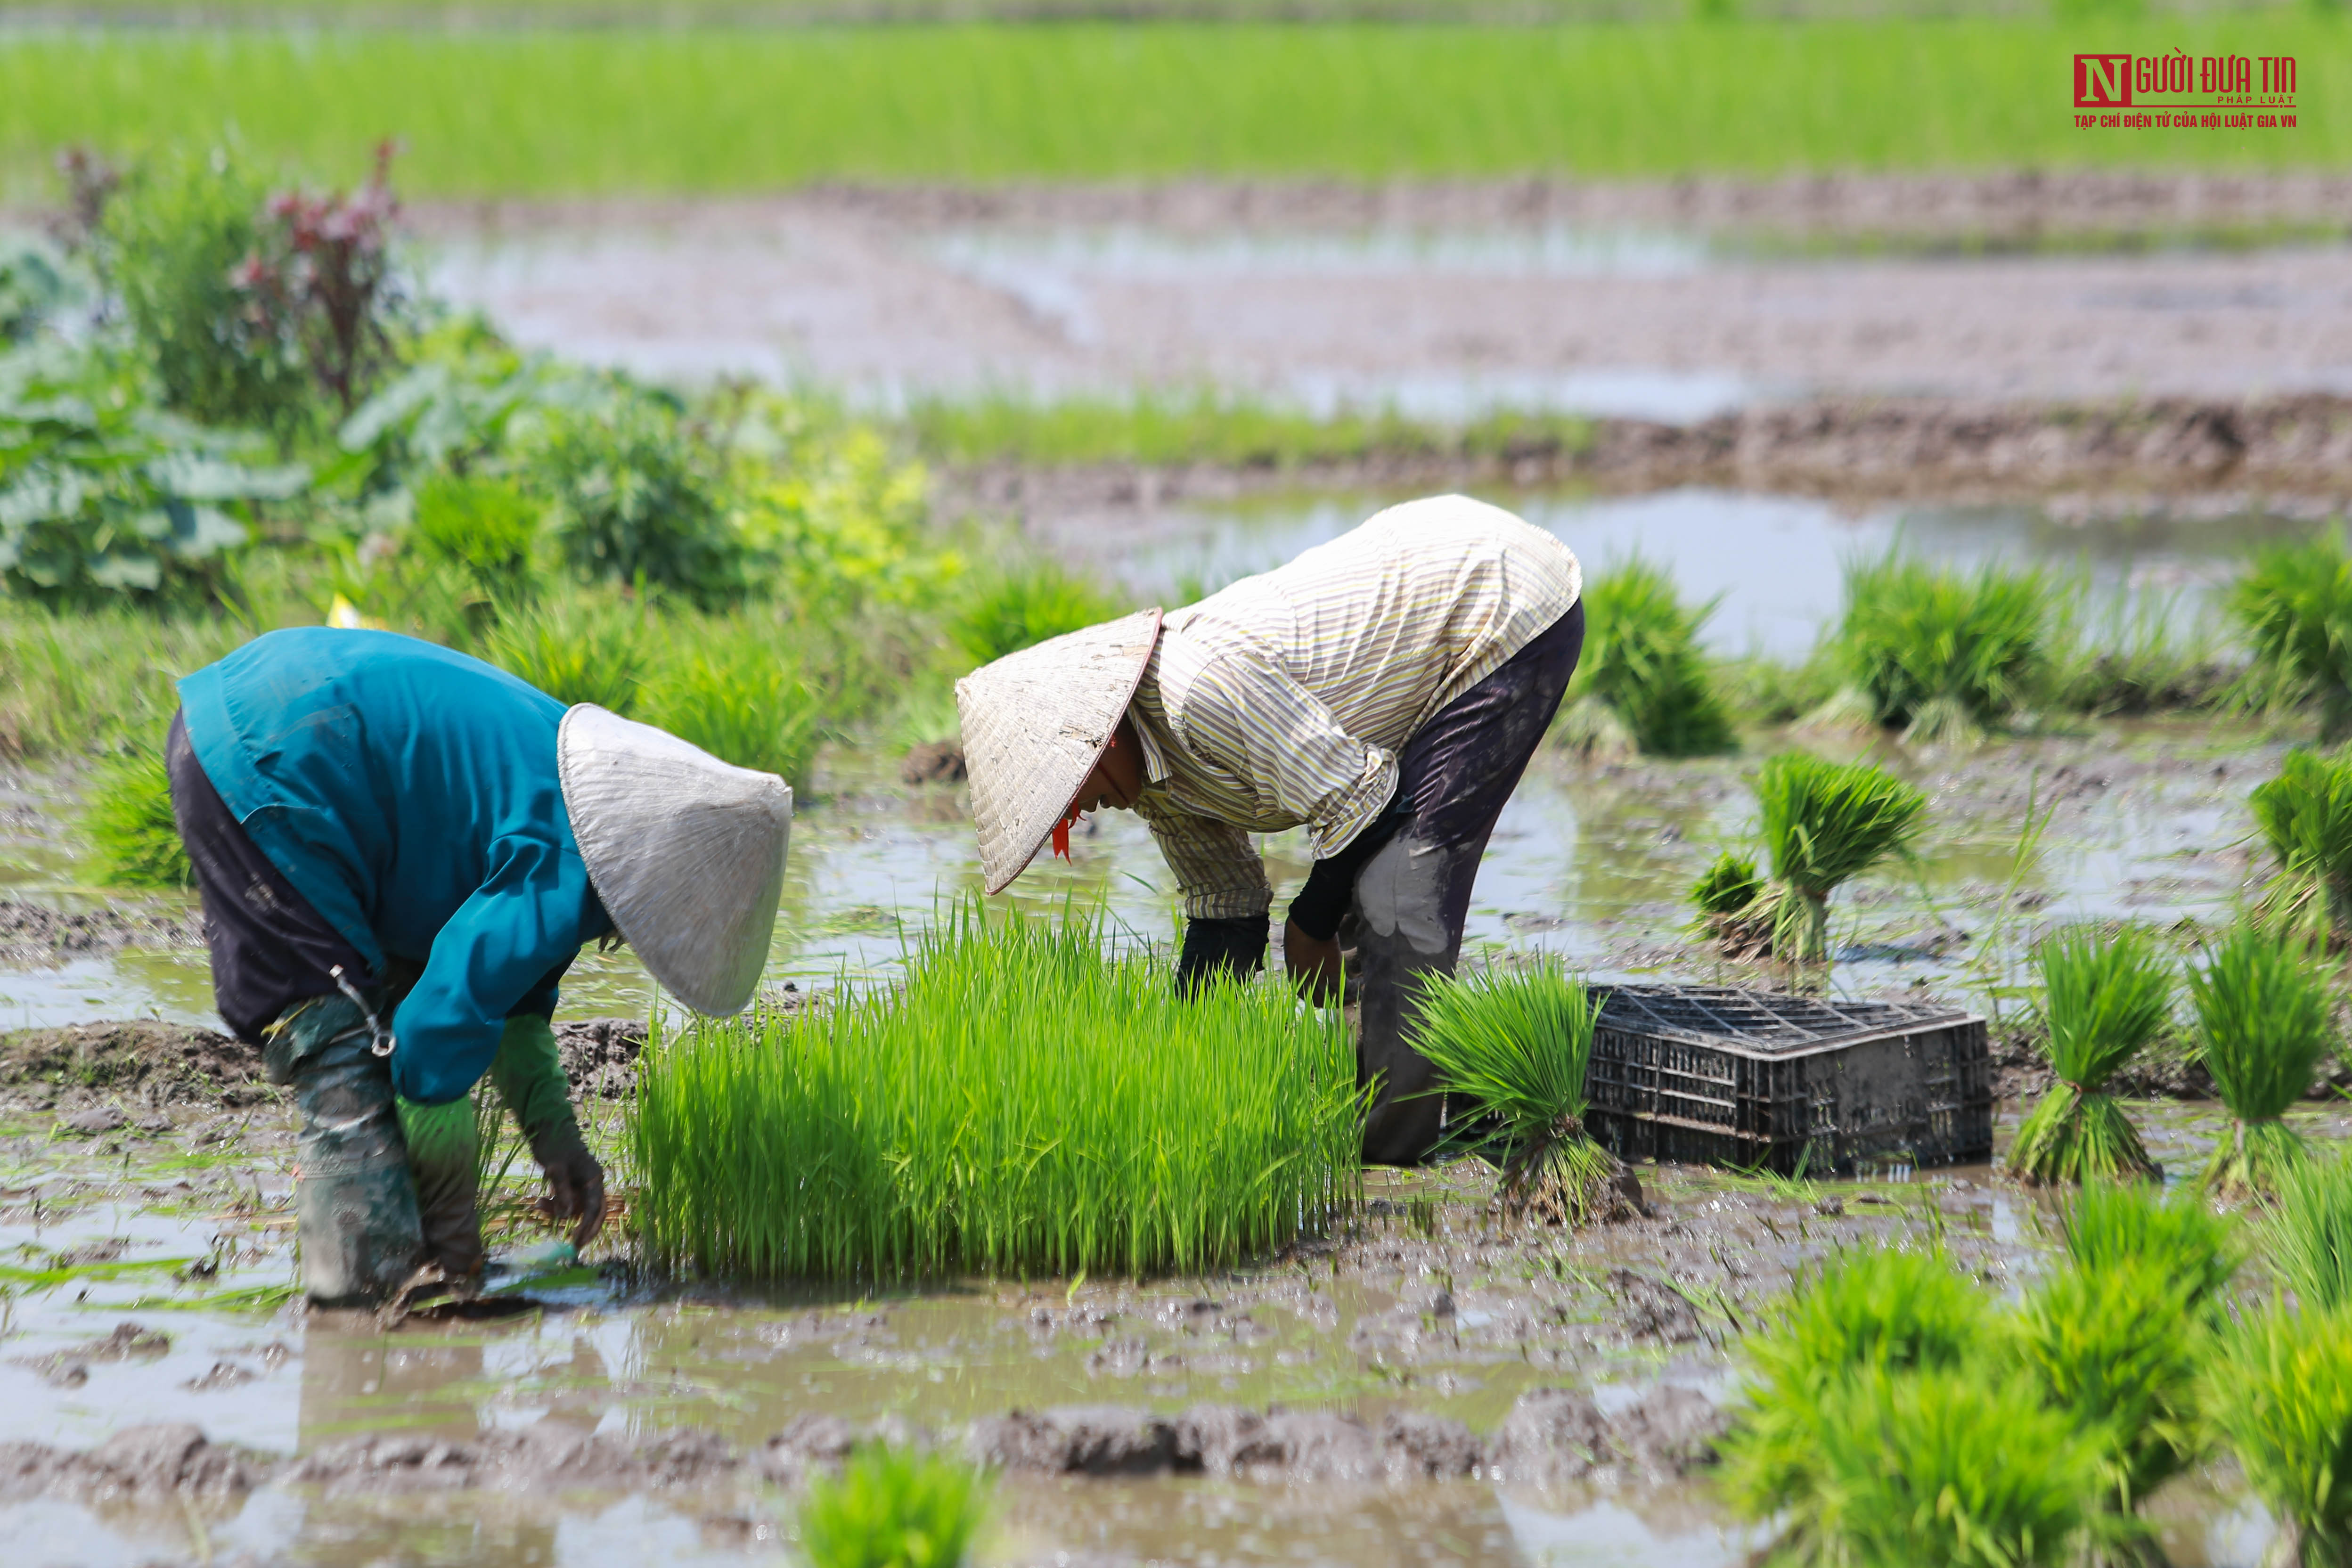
[[686, 851], [1035, 724]]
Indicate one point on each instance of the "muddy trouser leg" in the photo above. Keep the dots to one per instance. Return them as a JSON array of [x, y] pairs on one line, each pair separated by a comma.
[[445, 1157], [354, 1204], [1412, 897]]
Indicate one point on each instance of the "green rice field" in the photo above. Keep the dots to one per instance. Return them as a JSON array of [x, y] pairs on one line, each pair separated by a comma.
[[714, 109]]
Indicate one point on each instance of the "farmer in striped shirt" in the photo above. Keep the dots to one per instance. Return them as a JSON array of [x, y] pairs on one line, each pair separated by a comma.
[[1385, 690]]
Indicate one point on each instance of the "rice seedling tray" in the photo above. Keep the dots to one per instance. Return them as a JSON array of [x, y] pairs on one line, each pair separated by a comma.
[[1755, 1079]]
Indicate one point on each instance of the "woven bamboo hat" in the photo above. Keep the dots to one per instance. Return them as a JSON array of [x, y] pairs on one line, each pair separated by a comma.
[[1034, 724], [686, 851]]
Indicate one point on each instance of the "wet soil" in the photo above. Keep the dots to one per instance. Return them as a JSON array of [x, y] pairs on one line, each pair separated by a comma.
[[35, 934]]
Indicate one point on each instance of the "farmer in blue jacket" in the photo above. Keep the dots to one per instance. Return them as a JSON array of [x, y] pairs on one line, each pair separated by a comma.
[[400, 850]]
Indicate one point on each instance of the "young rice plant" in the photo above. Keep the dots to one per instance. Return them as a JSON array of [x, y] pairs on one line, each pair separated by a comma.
[[2308, 1242], [2294, 603], [1940, 655], [1516, 1043], [1824, 823], [1023, 607], [130, 823], [2114, 1225], [892, 1508], [2264, 1017], [2101, 1000], [1643, 661], [2305, 819], [2280, 1394], [1023, 1105]]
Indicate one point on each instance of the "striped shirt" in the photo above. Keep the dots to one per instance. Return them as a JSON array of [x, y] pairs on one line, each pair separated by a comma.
[[1284, 698]]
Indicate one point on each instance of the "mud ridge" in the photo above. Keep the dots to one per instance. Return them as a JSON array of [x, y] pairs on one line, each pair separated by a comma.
[[159, 1063], [36, 934], [2290, 455], [1552, 1435]]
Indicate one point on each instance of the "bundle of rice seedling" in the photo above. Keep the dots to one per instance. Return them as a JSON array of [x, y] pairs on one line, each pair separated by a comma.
[[2294, 603], [2120, 1348], [582, 648], [1021, 1104], [1824, 823], [2309, 1238], [128, 819], [1951, 1469], [1941, 655], [1643, 662], [1515, 1044], [2280, 1394], [892, 1508], [1725, 895], [2264, 1017], [1022, 605], [1869, 1311], [2101, 1000], [2305, 819], [2113, 1226]]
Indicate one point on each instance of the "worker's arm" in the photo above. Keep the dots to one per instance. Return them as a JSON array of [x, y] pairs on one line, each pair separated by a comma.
[[1225, 888]]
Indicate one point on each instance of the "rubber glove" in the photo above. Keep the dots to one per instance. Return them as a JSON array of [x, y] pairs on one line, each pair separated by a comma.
[[445, 1158], [1214, 947], [530, 1079]]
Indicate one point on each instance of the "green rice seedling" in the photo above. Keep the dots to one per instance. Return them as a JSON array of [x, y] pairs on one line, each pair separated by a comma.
[[2308, 1241], [1642, 659], [740, 699], [1728, 896], [1871, 1310], [580, 648], [1516, 1043], [2120, 1348], [2294, 605], [2265, 1016], [2280, 1396], [2305, 819], [2102, 999], [1022, 1104], [1939, 654], [2111, 1226], [485, 527], [130, 822], [1947, 1468], [1824, 823], [892, 1508], [1021, 607]]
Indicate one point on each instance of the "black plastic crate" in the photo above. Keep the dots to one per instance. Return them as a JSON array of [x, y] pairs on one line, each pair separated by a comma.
[[1714, 1075]]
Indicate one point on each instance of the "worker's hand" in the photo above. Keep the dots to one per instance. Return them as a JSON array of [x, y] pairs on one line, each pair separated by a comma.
[[575, 1191], [1314, 965]]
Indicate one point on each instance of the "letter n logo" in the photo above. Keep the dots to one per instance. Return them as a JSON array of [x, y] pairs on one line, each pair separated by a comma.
[[2102, 81]]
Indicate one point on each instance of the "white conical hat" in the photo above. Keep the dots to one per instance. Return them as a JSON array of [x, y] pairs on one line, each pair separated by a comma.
[[686, 851], [1035, 724]]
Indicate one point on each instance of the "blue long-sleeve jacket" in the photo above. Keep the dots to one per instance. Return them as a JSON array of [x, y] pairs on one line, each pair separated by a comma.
[[411, 795]]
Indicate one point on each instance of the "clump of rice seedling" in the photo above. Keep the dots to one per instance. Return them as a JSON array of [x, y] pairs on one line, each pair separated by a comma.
[[2294, 603], [1824, 823], [892, 1508], [1947, 1468], [129, 820], [2309, 1238], [742, 701], [2110, 1225], [1642, 661], [1022, 1104], [1939, 654], [1516, 1043], [1871, 1311], [1023, 607], [1726, 895], [2120, 1348], [2103, 1000], [2264, 1017], [2305, 819], [581, 649], [2280, 1394], [485, 527]]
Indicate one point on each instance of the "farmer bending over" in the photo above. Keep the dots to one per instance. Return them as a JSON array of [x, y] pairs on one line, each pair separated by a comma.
[[1385, 690], [400, 850]]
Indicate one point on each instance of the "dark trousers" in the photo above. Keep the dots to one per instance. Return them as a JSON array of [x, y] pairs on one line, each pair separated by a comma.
[[1412, 894]]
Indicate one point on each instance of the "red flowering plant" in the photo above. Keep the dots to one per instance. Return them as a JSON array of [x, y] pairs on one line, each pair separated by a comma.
[[320, 277]]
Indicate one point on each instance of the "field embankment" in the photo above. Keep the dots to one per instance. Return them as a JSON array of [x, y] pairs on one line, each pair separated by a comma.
[[574, 113]]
